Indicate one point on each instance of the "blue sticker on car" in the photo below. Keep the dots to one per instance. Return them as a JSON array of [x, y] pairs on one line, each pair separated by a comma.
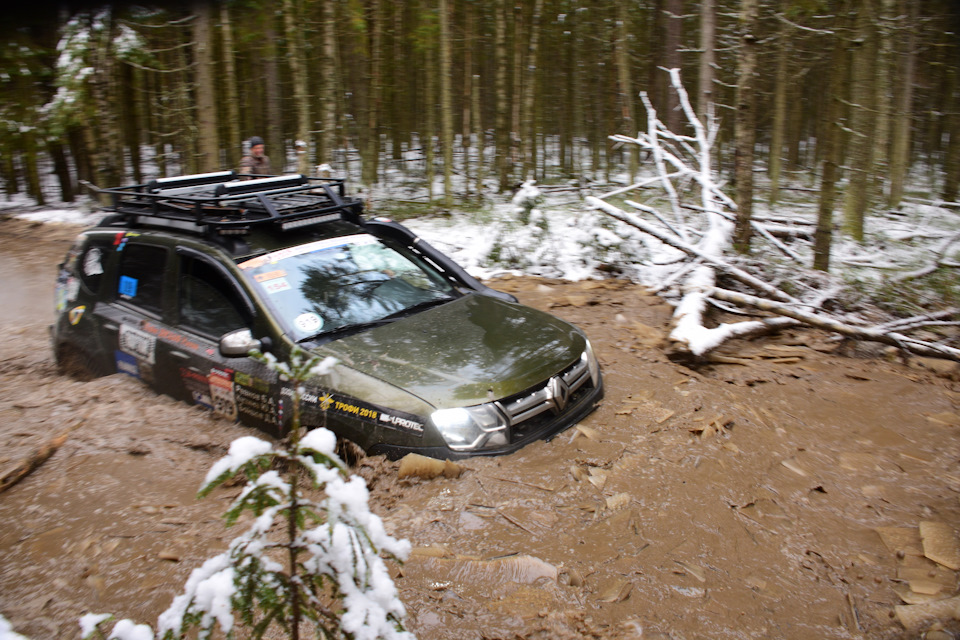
[[127, 364], [128, 286]]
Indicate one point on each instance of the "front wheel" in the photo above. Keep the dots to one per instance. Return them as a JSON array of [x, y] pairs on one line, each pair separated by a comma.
[[76, 364]]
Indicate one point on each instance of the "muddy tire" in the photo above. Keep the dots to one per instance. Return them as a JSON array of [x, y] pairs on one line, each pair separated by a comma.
[[350, 452], [76, 364]]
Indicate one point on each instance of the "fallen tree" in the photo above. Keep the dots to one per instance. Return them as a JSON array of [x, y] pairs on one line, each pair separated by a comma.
[[683, 164]]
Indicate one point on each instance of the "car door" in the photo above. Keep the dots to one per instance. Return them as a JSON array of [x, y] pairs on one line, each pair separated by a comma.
[[134, 309], [210, 302]]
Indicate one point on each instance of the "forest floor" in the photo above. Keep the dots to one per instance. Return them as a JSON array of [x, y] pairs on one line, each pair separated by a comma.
[[780, 496]]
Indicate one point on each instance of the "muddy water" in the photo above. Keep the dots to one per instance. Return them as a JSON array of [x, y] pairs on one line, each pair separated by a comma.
[[727, 501]]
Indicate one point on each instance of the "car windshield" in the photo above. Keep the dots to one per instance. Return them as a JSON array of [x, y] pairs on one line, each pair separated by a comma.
[[329, 286]]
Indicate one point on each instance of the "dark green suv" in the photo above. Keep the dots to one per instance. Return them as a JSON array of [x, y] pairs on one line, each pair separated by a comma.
[[187, 275]]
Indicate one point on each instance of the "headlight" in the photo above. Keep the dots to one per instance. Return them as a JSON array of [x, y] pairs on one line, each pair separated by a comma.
[[470, 428], [592, 364]]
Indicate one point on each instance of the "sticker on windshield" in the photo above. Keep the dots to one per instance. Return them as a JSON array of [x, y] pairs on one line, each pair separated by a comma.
[[270, 275], [308, 323], [358, 240], [276, 285]]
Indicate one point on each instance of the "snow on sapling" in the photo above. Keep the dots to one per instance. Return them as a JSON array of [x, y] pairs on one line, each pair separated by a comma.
[[281, 573], [522, 241]]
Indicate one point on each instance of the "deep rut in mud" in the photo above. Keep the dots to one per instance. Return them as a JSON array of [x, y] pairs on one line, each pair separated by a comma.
[[754, 500]]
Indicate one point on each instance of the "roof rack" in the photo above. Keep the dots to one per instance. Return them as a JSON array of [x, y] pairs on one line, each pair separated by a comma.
[[223, 203]]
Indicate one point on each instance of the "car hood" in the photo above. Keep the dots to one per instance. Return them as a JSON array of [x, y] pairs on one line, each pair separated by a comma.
[[465, 352]]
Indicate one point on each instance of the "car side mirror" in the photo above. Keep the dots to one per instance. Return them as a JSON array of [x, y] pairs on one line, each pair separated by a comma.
[[238, 344]]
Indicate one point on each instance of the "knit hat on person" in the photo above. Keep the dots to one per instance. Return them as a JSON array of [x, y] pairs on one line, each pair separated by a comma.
[[255, 140]]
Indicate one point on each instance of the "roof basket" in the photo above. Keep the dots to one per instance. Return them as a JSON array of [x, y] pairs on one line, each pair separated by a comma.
[[219, 202]]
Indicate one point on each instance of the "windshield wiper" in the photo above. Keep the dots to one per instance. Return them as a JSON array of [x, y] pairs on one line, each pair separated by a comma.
[[420, 306], [347, 329], [357, 327]]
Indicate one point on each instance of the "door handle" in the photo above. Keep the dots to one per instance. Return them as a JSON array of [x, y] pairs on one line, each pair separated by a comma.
[[180, 355], [109, 326]]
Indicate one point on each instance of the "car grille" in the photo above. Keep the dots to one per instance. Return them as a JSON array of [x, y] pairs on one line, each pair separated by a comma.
[[529, 412]]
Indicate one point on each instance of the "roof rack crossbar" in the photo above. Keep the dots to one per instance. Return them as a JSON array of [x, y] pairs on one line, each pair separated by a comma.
[[248, 186], [189, 181]]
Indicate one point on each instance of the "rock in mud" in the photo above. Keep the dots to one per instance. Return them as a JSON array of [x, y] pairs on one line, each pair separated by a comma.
[[415, 465]]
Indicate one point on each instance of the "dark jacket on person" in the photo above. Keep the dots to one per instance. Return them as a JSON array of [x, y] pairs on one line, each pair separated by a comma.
[[258, 166]]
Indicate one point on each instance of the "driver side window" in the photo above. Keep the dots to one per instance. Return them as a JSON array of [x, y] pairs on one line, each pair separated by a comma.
[[209, 302]]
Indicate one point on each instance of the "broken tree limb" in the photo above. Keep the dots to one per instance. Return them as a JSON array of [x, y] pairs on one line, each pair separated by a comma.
[[732, 271], [898, 340], [28, 465], [940, 257]]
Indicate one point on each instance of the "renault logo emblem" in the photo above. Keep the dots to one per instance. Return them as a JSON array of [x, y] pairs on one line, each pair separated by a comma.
[[559, 393]]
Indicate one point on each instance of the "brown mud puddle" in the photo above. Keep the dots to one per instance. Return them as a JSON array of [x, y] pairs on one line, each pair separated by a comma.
[[729, 501]]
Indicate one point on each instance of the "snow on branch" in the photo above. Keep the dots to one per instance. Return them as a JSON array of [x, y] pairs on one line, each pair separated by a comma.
[[704, 237]]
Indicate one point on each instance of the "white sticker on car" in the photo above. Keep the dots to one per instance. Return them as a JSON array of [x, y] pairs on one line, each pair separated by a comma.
[[138, 343], [308, 322], [92, 265]]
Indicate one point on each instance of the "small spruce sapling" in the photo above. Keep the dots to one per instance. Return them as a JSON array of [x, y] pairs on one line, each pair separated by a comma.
[[301, 562]]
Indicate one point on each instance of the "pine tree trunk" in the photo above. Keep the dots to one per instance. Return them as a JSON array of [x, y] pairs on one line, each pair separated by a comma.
[[626, 93], [34, 188], [529, 117], [328, 98], [781, 82], [705, 91], [276, 149], [208, 147], [11, 181], [446, 102], [431, 119], [516, 124], [503, 109], [829, 141], [131, 128], [884, 99], [674, 43], [62, 169], [951, 161], [900, 151], [233, 143], [746, 124], [861, 124], [371, 158], [298, 73]]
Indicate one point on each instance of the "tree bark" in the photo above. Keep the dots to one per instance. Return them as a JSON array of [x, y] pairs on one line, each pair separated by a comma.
[[900, 151], [628, 107], [276, 149], [208, 146], [502, 105], [746, 124], [233, 143], [446, 102], [292, 18], [781, 83], [708, 26], [328, 98], [829, 134], [529, 117], [861, 124]]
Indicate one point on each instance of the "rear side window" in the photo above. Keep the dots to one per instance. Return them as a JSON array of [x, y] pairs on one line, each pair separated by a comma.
[[140, 280], [90, 266], [209, 302]]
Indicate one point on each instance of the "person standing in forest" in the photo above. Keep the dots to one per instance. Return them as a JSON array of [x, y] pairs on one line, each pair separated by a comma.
[[255, 162]]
